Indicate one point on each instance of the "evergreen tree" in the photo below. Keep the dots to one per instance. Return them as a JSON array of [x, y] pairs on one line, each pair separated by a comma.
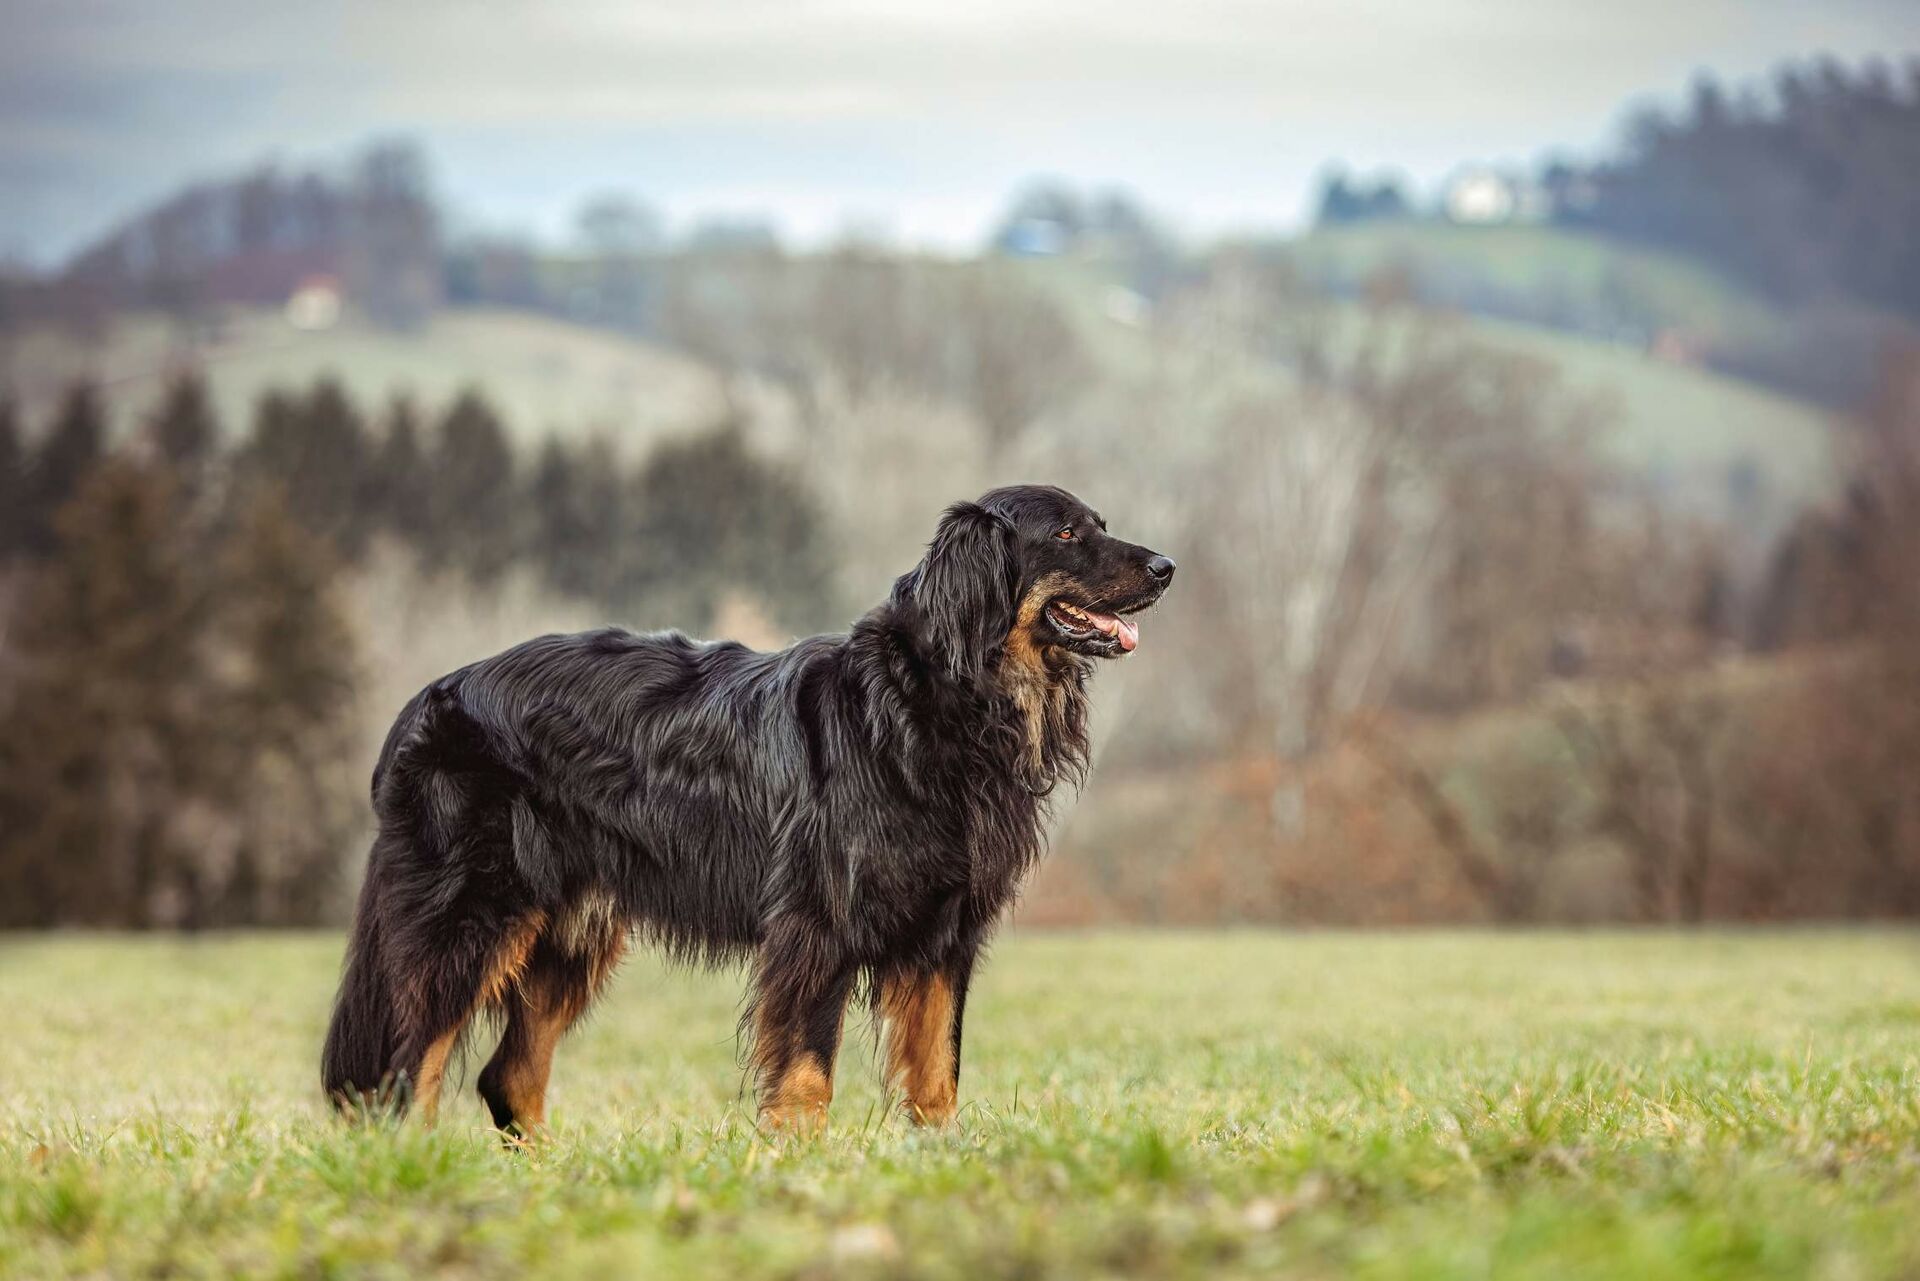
[[1803, 192], [316, 449], [289, 714], [402, 488], [69, 453], [13, 481], [184, 430], [176, 743], [707, 515], [107, 730], [562, 539], [473, 492], [344, 452], [605, 553]]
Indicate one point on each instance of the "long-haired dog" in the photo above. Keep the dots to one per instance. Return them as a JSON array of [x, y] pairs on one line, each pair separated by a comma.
[[852, 811]]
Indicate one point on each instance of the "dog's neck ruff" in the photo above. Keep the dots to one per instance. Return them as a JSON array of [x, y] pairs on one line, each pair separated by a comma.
[[1047, 691]]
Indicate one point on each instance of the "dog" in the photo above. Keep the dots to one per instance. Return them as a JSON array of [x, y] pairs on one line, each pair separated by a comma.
[[852, 813]]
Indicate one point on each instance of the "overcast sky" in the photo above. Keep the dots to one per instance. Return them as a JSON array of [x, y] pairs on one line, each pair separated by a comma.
[[915, 119]]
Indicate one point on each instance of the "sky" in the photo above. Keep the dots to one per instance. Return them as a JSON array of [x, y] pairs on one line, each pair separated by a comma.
[[913, 120]]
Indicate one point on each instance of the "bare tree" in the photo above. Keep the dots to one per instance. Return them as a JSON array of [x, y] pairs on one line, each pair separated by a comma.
[[1015, 356], [1376, 491]]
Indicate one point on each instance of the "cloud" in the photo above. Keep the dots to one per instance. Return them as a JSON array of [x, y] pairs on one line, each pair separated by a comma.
[[1220, 108]]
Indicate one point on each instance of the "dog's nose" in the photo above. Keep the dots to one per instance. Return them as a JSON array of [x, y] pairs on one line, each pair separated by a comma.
[[1161, 567]]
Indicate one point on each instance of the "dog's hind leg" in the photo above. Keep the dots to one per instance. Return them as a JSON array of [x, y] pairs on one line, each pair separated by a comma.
[[446, 987], [560, 981], [801, 984]]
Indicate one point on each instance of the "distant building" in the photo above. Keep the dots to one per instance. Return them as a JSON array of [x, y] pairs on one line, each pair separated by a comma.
[[1049, 220], [1035, 238], [1479, 196], [314, 304], [1487, 197]]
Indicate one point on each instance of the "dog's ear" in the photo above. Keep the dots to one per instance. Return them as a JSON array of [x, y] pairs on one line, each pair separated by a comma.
[[965, 589]]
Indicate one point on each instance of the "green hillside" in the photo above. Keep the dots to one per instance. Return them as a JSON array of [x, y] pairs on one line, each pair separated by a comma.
[[1685, 425], [1688, 428], [1573, 279], [542, 373]]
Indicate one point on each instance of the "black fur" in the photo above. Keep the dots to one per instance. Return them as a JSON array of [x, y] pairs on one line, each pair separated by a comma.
[[846, 811]]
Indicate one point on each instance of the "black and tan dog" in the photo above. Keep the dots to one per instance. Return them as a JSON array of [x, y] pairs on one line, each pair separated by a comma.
[[851, 812]]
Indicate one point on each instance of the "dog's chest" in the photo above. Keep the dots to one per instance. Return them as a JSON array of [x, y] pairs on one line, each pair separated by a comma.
[[924, 859]]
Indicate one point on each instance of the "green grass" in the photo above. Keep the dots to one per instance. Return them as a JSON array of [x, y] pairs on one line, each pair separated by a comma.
[[1419, 1105]]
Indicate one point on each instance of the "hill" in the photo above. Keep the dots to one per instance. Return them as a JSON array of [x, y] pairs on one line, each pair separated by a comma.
[[1688, 428], [1823, 349], [1695, 432], [1692, 430], [544, 374], [1563, 278]]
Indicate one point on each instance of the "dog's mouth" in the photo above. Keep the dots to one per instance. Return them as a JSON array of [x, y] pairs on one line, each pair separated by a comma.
[[1094, 631]]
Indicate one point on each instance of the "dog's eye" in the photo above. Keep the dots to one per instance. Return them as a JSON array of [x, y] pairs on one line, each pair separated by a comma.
[[1065, 535]]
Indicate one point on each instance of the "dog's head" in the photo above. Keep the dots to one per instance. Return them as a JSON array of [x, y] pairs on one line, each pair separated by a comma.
[[1032, 569]]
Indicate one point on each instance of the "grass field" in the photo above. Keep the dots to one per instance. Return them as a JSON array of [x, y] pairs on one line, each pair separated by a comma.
[[1418, 1105]]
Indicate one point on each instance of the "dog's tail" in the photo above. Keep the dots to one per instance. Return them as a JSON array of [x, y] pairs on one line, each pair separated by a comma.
[[357, 1061], [356, 1067]]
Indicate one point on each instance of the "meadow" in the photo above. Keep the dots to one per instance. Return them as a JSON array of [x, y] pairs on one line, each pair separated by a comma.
[[1426, 1104]]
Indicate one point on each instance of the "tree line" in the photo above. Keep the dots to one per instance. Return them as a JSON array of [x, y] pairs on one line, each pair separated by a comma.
[[176, 682], [178, 670], [1803, 189], [696, 517]]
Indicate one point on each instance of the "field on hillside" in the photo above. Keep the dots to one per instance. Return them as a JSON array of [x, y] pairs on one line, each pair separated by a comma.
[[1417, 1105], [1585, 274], [1686, 428], [542, 374]]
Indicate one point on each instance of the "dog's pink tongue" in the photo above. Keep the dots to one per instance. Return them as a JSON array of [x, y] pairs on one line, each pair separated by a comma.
[[1128, 634]]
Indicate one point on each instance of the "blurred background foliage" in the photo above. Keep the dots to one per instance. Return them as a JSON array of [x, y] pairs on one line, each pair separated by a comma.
[[1550, 541]]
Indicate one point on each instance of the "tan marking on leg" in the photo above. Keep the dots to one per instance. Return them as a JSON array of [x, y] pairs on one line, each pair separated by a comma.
[[795, 1084], [799, 1099], [509, 959], [919, 1014], [503, 970], [536, 1023], [523, 1078], [432, 1073]]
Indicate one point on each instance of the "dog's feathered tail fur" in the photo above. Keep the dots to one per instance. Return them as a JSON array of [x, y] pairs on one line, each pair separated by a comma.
[[361, 1036]]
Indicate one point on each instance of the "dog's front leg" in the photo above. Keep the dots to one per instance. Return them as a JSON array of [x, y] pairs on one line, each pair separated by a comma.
[[800, 987], [924, 1012]]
